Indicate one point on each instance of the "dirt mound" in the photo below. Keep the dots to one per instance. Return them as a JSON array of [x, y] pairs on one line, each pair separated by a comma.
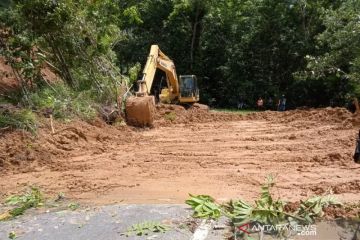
[[208, 152], [338, 188], [328, 115], [20, 150], [349, 211], [168, 114]]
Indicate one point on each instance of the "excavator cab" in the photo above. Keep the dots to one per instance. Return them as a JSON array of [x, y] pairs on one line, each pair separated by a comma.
[[189, 91]]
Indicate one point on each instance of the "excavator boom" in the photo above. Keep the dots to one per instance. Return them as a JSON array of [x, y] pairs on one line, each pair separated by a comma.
[[158, 60]]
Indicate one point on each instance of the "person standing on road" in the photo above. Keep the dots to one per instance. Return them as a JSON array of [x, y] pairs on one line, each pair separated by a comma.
[[260, 104], [282, 103], [240, 104]]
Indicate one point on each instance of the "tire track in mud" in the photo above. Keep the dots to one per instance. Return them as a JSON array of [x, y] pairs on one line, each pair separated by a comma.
[[177, 161]]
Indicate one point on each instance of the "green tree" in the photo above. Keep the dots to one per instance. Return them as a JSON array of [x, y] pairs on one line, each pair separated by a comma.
[[254, 47], [338, 63], [75, 38], [307, 50]]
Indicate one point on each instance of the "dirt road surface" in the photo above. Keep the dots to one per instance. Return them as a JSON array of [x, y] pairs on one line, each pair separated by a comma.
[[309, 152]]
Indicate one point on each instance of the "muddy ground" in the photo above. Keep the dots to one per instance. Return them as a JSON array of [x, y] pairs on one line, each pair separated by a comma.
[[188, 151]]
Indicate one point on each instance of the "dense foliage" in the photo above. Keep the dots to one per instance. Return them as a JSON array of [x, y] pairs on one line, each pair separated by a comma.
[[248, 49], [307, 50]]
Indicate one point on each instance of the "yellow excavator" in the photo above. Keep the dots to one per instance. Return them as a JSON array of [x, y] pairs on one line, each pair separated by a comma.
[[140, 109]]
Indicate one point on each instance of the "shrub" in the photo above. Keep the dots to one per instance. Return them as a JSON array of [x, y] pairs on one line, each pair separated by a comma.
[[18, 119], [64, 103]]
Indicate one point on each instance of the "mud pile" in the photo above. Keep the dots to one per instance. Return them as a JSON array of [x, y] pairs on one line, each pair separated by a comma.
[[167, 115], [22, 151], [328, 115], [349, 211], [173, 114], [311, 154]]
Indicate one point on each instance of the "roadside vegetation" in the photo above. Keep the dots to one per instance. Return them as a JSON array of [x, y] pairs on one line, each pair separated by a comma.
[[64, 103], [33, 198], [265, 211], [19, 119], [74, 40]]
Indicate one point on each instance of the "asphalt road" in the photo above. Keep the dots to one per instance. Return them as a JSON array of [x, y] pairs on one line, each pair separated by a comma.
[[113, 222], [100, 223]]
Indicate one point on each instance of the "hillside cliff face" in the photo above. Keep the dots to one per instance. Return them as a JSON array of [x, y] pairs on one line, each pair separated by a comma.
[[7, 78], [8, 81]]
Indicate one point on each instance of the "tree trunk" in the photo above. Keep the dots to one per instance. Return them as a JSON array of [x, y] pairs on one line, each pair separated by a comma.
[[65, 72], [193, 40]]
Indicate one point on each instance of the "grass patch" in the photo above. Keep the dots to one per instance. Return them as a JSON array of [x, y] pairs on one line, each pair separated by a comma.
[[18, 119], [234, 110]]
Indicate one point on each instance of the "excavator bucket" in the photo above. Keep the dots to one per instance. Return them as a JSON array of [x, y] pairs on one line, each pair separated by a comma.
[[140, 111]]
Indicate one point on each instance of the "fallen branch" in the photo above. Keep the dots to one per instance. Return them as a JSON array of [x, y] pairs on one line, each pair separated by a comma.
[[52, 124]]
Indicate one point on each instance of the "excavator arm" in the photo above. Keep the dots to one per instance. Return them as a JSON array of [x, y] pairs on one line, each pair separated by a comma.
[[158, 60]]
